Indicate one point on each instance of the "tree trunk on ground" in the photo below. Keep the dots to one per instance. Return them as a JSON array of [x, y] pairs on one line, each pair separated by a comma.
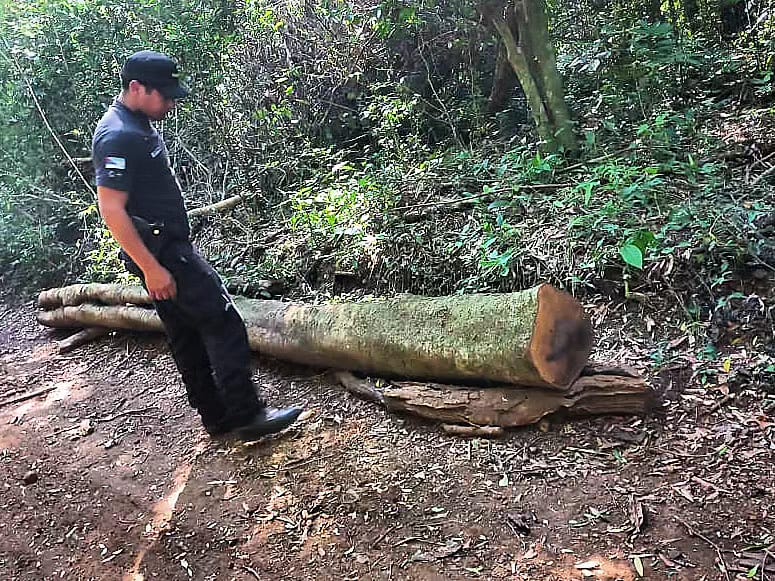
[[111, 316], [601, 391], [78, 294], [523, 28], [538, 337]]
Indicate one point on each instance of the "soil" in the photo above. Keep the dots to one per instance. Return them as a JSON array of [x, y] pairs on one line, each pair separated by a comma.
[[108, 475]]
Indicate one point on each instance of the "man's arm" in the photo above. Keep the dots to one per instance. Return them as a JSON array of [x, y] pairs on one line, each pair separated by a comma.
[[112, 203]]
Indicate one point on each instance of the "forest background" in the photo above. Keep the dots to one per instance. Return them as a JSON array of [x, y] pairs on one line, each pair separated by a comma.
[[386, 147]]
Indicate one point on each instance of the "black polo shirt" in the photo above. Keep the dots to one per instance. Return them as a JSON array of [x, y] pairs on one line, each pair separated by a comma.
[[130, 155]]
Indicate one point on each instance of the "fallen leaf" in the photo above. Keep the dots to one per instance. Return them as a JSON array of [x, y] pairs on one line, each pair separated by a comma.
[[451, 547], [684, 492], [637, 514], [519, 521]]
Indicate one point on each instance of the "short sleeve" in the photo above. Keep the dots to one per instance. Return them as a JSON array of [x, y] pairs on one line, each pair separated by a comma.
[[114, 161]]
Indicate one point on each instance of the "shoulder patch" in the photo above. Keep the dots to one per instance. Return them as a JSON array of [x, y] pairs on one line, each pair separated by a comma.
[[115, 163]]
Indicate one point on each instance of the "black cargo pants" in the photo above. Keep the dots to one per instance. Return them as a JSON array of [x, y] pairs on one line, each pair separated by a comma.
[[208, 339]]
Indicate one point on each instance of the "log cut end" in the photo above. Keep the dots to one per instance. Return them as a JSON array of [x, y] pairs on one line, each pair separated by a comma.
[[562, 338]]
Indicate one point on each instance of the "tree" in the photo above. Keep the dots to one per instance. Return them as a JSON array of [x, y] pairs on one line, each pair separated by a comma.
[[523, 28], [503, 82]]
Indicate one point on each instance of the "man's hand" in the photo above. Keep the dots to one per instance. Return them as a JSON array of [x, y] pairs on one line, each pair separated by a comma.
[[161, 285]]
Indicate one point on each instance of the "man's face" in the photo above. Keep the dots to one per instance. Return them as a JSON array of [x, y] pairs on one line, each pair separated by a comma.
[[154, 104]]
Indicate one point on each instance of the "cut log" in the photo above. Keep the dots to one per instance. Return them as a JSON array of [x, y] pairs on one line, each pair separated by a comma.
[[130, 318], [106, 294], [506, 407], [538, 337]]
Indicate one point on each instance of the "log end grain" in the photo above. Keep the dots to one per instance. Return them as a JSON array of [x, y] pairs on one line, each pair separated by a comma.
[[562, 339]]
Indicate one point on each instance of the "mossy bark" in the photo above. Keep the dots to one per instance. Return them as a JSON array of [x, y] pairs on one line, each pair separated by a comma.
[[537, 337], [111, 316], [77, 294]]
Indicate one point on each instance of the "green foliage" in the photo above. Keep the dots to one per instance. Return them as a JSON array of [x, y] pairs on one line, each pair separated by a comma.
[[393, 17], [59, 67], [30, 253], [103, 263], [633, 68], [361, 138], [632, 255], [343, 208], [499, 247]]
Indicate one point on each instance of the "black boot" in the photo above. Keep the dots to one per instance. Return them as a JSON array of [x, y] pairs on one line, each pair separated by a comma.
[[214, 427], [267, 421]]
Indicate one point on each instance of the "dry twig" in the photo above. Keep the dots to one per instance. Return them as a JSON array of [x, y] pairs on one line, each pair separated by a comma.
[[27, 396]]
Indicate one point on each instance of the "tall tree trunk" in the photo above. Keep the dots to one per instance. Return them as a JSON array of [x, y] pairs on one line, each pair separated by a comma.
[[733, 16], [531, 18], [523, 29], [653, 10]]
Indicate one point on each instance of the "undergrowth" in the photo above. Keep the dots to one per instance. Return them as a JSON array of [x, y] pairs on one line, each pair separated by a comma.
[[369, 163]]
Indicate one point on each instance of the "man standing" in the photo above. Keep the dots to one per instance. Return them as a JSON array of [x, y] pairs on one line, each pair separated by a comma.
[[141, 202]]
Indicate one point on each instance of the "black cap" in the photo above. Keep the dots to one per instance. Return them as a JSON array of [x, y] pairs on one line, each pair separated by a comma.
[[156, 71]]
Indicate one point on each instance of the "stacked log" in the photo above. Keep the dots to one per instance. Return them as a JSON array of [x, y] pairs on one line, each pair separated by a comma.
[[489, 359]]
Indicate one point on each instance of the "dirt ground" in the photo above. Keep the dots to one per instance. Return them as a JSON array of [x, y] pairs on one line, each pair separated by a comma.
[[107, 475]]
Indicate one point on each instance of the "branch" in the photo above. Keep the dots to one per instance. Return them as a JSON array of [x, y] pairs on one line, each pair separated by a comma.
[[27, 396], [465, 199], [473, 431], [763, 175], [80, 338], [13, 60], [218, 207]]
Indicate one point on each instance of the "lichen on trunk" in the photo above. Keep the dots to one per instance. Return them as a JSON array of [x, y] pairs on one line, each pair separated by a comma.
[[536, 337]]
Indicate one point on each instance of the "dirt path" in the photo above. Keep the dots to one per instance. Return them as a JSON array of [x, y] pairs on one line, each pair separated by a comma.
[[108, 476]]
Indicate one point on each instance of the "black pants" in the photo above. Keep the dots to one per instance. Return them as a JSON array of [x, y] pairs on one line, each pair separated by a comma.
[[208, 339]]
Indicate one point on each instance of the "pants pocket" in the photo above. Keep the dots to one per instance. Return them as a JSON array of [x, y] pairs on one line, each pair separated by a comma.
[[201, 292]]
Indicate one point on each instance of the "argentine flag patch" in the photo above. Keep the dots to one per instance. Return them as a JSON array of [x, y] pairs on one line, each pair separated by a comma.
[[115, 163]]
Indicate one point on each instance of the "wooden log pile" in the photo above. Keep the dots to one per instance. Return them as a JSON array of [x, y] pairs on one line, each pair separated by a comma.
[[500, 360]]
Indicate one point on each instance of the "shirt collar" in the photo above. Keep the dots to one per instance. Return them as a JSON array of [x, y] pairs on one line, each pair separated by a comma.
[[139, 115]]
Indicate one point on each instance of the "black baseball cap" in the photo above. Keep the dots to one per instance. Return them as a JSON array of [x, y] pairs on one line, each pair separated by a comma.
[[157, 71]]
